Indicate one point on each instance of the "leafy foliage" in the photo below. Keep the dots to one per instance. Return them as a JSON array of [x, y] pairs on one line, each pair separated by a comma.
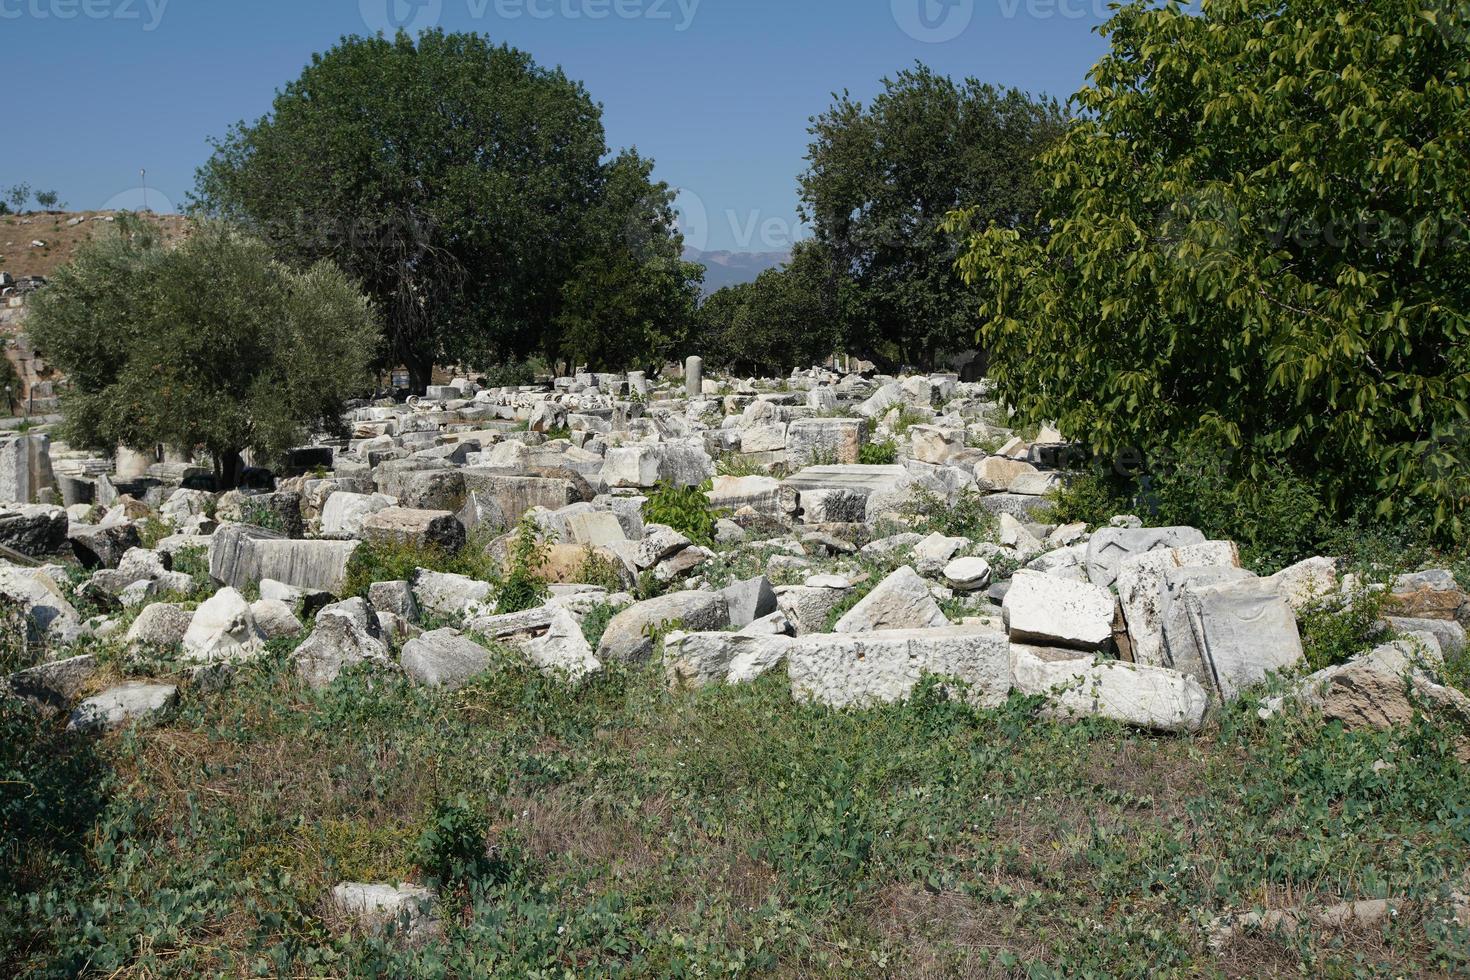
[[211, 344], [631, 300], [396, 561], [786, 318], [474, 204], [882, 453], [880, 182], [1255, 234], [523, 587], [685, 509]]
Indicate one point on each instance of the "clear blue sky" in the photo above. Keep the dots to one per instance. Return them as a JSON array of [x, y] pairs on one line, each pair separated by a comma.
[[718, 92]]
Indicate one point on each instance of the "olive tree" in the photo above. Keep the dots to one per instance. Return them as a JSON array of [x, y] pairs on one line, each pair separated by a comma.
[[213, 345]]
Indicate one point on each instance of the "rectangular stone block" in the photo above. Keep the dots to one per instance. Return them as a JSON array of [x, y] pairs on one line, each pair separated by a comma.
[[855, 670]]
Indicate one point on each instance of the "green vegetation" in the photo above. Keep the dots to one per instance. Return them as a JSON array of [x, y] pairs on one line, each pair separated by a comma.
[[1278, 274], [523, 587], [786, 318], [212, 344], [685, 509], [884, 453], [396, 561], [928, 512], [924, 838], [881, 180], [494, 229]]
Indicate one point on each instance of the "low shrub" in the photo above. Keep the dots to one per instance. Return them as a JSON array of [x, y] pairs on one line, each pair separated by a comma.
[[685, 509], [391, 561], [883, 453], [524, 587]]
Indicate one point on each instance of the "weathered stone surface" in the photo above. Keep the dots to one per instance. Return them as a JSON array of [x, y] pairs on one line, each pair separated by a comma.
[[344, 513], [1307, 582], [843, 670], [102, 547], [34, 530], [223, 628], [809, 606], [695, 660], [837, 439], [749, 600], [417, 528], [25, 469], [1051, 611], [336, 644], [376, 908], [1110, 545], [595, 529], [968, 574], [760, 493], [1143, 590], [1244, 631], [1449, 635], [1382, 689], [444, 658], [160, 626], [53, 620], [900, 602], [53, 686], [241, 555], [275, 619], [628, 637], [1426, 595], [123, 704], [1155, 698], [396, 598], [445, 594], [563, 649], [514, 494]]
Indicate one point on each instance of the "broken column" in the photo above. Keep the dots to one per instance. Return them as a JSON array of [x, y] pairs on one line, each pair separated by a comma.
[[694, 377]]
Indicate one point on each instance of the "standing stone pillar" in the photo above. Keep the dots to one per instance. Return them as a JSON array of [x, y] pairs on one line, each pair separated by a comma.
[[694, 377]]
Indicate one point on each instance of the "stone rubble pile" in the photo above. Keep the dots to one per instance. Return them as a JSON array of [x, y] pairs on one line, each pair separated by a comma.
[[830, 494]]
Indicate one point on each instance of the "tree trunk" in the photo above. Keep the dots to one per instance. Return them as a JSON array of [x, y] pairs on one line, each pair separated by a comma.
[[228, 468], [420, 373]]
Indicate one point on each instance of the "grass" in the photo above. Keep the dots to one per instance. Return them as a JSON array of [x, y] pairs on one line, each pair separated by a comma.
[[618, 829], [374, 561]]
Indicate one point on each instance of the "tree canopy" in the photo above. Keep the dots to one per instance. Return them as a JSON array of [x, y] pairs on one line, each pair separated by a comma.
[[1257, 232], [212, 345], [459, 182], [787, 318], [881, 181]]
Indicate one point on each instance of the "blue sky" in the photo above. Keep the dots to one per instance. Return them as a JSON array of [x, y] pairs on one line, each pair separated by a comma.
[[718, 92]]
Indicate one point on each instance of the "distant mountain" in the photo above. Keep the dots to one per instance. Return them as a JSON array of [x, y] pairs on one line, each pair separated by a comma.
[[729, 268]]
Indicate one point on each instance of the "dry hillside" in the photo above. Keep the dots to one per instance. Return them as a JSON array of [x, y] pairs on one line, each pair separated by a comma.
[[61, 238]]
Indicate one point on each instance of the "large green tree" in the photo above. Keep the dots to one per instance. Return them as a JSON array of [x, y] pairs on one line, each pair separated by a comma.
[[883, 177], [212, 345], [788, 317], [631, 299], [1257, 232], [457, 180]]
